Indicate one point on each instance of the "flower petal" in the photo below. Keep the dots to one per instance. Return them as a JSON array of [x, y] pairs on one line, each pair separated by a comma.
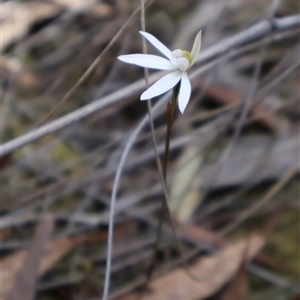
[[184, 92], [162, 85], [157, 44], [196, 47], [148, 61]]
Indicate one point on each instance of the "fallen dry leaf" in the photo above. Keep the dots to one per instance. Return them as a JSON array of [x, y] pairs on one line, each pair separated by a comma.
[[101, 10], [55, 250], [185, 193], [24, 282], [237, 288], [215, 270], [19, 17], [201, 234]]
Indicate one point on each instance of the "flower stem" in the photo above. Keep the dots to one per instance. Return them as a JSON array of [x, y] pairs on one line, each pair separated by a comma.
[[171, 107], [170, 120]]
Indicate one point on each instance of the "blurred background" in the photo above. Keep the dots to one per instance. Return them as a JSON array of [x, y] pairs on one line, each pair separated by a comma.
[[233, 172]]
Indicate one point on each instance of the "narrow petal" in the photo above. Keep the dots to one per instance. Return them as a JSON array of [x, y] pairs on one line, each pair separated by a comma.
[[162, 85], [184, 92], [157, 44], [147, 61], [196, 47]]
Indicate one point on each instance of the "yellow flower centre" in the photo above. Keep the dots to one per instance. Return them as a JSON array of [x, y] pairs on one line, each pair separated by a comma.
[[186, 54]]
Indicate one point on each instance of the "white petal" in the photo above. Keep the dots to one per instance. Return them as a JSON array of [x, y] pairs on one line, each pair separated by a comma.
[[196, 47], [184, 92], [162, 85], [157, 44], [148, 61]]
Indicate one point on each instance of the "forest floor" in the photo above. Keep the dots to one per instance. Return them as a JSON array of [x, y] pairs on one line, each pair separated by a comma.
[[233, 170]]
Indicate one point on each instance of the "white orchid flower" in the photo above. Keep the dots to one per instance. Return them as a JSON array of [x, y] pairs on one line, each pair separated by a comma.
[[178, 61]]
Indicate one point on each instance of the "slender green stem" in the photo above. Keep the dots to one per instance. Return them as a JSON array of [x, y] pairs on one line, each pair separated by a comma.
[[171, 107], [170, 119]]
